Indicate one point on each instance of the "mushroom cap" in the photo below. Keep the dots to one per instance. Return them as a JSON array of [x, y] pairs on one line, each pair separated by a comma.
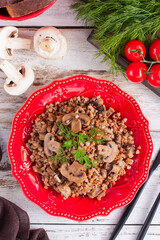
[[73, 172], [109, 151], [49, 43], [23, 84], [68, 118], [5, 33]]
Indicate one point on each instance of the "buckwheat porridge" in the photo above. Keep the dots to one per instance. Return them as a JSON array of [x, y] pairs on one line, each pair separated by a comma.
[[81, 148]]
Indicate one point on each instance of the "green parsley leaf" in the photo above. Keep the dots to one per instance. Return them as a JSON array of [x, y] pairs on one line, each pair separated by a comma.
[[67, 144], [88, 162], [78, 153]]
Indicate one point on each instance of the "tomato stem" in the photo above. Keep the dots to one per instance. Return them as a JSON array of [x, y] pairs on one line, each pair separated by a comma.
[[144, 60]]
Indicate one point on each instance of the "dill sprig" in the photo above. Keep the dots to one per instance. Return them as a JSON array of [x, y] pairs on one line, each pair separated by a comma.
[[119, 21], [60, 156]]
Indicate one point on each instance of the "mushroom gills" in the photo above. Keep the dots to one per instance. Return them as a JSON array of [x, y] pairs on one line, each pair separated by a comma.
[[19, 79], [73, 172], [50, 146], [76, 120], [109, 151]]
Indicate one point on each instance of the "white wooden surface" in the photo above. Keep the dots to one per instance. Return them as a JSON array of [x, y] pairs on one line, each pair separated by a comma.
[[80, 59]]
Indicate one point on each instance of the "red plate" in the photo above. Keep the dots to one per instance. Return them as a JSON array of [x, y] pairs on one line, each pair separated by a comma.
[[29, 16], [79, 208]]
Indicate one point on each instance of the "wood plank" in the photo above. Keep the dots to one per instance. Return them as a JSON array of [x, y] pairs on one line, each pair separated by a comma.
[[80, 59], [98, 232], [60, 14], [10, 189]]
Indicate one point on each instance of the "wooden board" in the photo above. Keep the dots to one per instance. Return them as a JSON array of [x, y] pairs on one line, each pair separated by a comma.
[[124, 62]]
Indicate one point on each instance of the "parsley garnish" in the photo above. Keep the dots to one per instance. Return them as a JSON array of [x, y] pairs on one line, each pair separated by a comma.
[[73, 139], [65, 131], [80, 155]]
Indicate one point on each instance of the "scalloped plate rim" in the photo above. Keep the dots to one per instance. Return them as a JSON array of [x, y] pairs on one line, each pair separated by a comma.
[[138, 184]]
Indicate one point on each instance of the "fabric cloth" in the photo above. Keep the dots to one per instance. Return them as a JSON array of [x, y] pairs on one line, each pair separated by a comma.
[[15, 224]]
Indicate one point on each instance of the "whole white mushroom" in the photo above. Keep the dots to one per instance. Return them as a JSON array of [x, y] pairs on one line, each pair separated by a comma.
[[19, 79], [49, 43], [9, 41]]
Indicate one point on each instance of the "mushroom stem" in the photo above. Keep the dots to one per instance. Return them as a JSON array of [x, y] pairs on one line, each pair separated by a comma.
[[19, 43], [11, 71], [47, 45]]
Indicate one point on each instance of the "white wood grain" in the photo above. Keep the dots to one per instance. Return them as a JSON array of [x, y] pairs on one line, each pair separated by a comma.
[[10, 189], [80, 59], [60, 14], [93, 232]]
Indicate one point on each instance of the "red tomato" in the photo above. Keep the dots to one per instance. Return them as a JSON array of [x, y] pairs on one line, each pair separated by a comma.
[[155, 50], [135, 72], [154, 78], [135, 45]]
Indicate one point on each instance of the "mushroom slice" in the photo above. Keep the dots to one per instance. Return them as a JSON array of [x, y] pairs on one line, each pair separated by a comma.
[[10, 41], [50, 145], [49, 43], [68, 118], [116, 169], [54, 146], [109, 112], [97, 193], [64, 190], [76, 120], [76, 125], [109, 151], [73, 172], [19, 79], [85, 119]]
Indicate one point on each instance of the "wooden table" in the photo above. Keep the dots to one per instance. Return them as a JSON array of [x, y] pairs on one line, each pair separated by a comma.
[[80, 59]]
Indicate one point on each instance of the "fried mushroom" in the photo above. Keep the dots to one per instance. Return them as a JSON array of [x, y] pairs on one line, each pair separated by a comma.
[[109, 151], [73, 172], [76, 120], [64, 190], [50, 145]]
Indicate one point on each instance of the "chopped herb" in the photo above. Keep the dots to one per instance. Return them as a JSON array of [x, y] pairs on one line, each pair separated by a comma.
[[74, 140], [68, 144], [95, 131], [78, 153], [60, 156], [65, 132]]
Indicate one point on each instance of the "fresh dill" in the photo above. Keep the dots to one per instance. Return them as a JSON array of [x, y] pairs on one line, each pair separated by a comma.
[[117, 22]]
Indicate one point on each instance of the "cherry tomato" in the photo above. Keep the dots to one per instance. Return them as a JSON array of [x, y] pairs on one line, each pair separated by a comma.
[[154, 78], [155, 50], [133, 55], [135, 72]]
